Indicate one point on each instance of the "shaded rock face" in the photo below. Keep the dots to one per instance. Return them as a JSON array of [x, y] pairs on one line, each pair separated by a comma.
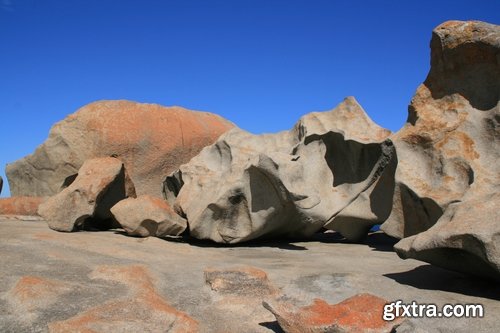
[[1, 184], [291, 183], [150, 139], [86, 203], [26, 206], [148, 216], [465, 239], [360, 313], [448, 176]]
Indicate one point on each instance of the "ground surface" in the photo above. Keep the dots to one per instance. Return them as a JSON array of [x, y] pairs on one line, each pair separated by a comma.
[[109, 282]]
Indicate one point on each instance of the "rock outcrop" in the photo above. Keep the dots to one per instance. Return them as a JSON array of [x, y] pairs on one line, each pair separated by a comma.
[[291, 183], [1, 184], [448, 176], [150, 139], [360, 313], [148, 216], [26, 206], [86, 203], [450, 143]]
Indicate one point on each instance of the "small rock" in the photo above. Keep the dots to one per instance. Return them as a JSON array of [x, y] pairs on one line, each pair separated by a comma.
[[360, 313], [242, 281], [86, 203], [148, 216]]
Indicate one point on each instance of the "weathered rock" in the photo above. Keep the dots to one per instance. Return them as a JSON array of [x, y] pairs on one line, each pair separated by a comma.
[[148, 216], [465, 239], [448, 155], [150, 139], [242, 281], [143, 311], [360, 313], [86, 203], [32, 294], [318, 268], [27, 206], [451, 141], [291, 183]]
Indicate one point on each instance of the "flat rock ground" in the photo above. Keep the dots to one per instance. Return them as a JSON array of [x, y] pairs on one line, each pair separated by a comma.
[[109, 282]]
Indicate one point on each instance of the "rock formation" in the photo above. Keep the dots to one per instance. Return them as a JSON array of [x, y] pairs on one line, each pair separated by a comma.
[[1, 184], [291, 183], [448, 176], [450, 143], [150, 139], [148, 216], [26, 206], [86, 203]]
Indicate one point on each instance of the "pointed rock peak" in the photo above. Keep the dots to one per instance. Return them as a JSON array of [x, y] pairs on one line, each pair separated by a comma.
[[347, 118]]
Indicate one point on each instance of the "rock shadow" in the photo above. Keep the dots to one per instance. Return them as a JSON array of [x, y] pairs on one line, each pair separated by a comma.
[[284, 244], [435, 278], [377, 240], [272, 326]]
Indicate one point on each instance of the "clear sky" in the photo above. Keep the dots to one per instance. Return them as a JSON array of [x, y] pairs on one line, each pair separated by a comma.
[[260, 63]]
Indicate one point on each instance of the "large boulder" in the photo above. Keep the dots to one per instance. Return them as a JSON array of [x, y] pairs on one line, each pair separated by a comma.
[[291, 183], [150, 139], [450, 143], [86, 203], [448, 175], [148, 216]]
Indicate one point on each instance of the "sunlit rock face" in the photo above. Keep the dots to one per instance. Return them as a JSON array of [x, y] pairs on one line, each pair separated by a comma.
[[448, 174], [151, 140], [289, 184]]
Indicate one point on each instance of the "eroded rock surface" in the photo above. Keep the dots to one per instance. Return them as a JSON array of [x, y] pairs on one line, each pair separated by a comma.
[[241, 281], [448, 176], [86, 203], [450, 144], [291, 183], [150, 139], [360, 313], [148, 216]]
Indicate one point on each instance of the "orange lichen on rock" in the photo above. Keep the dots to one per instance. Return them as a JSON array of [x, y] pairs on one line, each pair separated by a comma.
[[33, 292], [144, 310], [360, 313], [20, 205]]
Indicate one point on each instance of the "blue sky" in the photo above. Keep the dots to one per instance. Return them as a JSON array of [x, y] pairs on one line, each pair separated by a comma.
[[260, 63]]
